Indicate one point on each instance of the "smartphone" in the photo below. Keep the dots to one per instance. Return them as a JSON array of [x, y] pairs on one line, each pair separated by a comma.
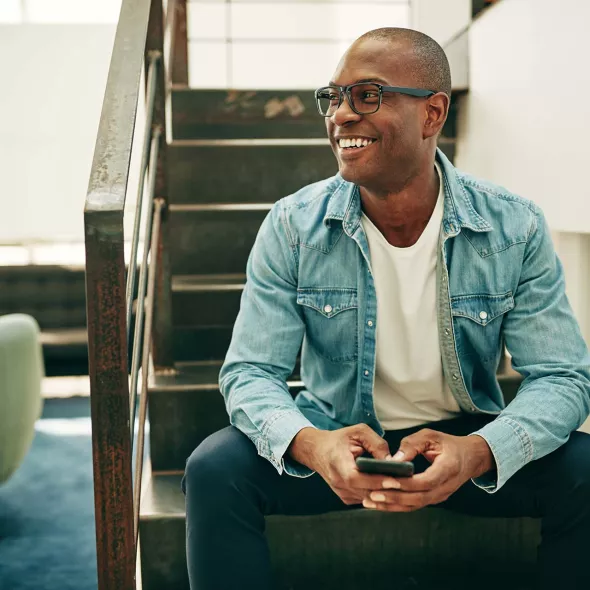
[[383, 467]]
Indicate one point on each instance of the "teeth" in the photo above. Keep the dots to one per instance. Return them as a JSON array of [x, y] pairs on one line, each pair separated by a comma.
[[356, 142]]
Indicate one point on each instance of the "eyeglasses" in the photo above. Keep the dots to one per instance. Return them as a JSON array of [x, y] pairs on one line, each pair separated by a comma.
[[363, 98]]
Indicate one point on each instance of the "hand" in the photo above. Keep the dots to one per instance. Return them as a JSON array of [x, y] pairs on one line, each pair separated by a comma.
[[455, 460], [332, 454]]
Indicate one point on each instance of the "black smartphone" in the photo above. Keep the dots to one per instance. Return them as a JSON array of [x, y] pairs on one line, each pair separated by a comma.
[[383, 467]]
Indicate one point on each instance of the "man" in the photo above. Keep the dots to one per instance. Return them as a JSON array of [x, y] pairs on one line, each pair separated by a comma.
[[402, 277]]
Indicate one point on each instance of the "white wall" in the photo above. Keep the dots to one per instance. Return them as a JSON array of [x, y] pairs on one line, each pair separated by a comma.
[[440, 19], [53, 78], [279, 44], [523, 123], [57, 76]]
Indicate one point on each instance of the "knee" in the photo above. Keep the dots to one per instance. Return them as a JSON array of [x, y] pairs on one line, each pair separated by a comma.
[[573, 467], [219, 461]]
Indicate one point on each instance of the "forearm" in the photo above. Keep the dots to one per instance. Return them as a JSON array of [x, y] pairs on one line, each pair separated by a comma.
[[303, 445]]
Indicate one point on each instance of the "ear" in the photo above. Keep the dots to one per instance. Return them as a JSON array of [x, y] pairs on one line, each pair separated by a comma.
[[435, 114]]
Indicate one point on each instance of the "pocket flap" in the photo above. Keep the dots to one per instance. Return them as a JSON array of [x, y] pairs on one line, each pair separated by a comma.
[[482, 308], [328, 301]]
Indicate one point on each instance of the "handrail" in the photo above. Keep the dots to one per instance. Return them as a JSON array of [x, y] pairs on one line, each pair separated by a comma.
[[105, 288], [139, 40]]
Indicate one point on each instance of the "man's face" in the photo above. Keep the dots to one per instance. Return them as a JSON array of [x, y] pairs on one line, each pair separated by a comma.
[[396, 128]]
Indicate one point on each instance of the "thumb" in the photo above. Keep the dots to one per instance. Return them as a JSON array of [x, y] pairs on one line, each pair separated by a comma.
[[412, 446], [371, 441]]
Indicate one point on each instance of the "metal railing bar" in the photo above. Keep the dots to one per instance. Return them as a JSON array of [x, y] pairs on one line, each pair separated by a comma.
[[132, 272], [147, 341], [169, 39], [143, 274]]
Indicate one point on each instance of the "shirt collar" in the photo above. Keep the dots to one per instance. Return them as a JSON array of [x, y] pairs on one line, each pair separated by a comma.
[[345, 204]]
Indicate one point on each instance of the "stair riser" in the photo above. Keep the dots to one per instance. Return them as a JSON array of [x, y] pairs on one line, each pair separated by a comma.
[[201, 344], [429, 549], [205, 308], [210, 242], [215, 114], [180, 421], [245, 174], [220, 114]]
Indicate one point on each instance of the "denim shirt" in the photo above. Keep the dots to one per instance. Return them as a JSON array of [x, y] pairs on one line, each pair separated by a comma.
[[310, 289]]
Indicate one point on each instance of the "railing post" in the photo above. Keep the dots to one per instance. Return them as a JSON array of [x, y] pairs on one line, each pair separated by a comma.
[[162, 349], [109, 400], [180, 47]]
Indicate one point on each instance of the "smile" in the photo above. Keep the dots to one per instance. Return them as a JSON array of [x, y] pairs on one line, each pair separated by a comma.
[[355, 142]]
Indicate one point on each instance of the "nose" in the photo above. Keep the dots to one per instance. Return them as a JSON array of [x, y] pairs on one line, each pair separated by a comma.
[[344, 114]]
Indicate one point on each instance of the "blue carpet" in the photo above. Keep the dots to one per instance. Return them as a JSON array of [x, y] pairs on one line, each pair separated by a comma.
[[47, 539]]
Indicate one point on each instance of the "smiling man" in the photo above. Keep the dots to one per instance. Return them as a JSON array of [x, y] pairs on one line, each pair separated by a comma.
[[399, 279]]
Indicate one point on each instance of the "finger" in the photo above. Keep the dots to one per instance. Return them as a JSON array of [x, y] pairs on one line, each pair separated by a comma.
[[415, 444], [400, 498], [371, 441], [439, 473], [383, 507], [365, 481]]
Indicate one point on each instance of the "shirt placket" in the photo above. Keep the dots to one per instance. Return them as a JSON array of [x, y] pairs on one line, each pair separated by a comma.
[[367, 361], [448, 346]]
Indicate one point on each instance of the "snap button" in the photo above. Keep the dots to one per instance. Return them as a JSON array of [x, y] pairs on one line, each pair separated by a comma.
[[366, 373], [328, 308], [455, 376], [447, 331], [483, 315], [370, 323]]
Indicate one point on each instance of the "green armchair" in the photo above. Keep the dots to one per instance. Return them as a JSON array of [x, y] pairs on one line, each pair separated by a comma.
[[21, 373]]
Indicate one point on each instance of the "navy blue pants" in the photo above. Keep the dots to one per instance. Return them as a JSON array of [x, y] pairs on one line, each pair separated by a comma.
[[229, 489]]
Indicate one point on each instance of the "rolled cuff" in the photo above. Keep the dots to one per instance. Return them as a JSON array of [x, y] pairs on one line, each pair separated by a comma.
[[512, 449], [278, 435]]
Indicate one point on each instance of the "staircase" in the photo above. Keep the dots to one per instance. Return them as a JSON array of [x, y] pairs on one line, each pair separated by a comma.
[[231, 156], [228, 162]]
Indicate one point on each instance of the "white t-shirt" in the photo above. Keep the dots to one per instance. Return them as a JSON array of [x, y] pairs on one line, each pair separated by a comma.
[[410, 388]]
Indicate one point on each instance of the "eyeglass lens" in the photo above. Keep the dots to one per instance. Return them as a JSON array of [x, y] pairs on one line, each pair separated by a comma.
[[365, 99]]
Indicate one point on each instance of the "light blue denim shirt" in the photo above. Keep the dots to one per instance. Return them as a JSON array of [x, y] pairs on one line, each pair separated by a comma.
[[309, 287]]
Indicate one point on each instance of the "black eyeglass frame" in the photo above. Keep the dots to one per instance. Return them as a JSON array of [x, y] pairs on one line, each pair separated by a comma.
[[345, 90]]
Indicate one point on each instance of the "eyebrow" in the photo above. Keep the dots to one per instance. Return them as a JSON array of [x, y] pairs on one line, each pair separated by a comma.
[[376, 80]]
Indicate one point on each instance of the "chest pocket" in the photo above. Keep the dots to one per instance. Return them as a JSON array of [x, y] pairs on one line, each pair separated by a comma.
[[478, 323], [331, 316]]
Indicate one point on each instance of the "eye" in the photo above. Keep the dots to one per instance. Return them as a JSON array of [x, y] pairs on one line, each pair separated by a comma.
[[326, 95], [370, 95]]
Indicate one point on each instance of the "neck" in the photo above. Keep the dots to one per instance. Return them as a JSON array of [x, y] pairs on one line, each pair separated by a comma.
[[401, 215]]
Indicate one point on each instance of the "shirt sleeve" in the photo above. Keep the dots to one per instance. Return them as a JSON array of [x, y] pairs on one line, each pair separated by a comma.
[[547, 348], [265, 342]]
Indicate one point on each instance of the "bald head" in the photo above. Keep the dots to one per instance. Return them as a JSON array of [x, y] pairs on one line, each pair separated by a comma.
[[430, 67]]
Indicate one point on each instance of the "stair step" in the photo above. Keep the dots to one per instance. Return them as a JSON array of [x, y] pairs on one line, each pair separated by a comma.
[[249, 114], [201, 344], [206, 300], [223, 114], [185, 408], [213, 238], [251, 171], [431, 549]]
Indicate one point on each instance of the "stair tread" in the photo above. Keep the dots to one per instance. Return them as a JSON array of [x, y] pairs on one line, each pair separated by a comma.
[[208, 282], [162, 497], [195, 376]]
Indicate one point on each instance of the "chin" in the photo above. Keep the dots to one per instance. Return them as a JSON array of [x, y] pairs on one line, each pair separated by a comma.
[[353, 174]]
